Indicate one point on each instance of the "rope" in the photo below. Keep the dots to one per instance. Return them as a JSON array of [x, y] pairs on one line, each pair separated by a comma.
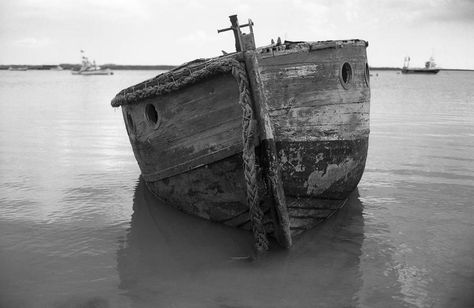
[[170, 82], [179, 80], [249, 126]]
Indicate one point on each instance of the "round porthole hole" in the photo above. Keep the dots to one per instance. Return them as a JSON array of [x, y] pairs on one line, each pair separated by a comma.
[[346, 75], [130, 121], [367, 74], [151, 114]]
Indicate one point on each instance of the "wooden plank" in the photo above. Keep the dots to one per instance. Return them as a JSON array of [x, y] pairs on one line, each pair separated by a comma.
[[296, 205], [158, 155], [312, 125], [304, 223], [328, 115], [327, 107], [200, 161], [306, 213], [284, 97], [321, 133], [308, 47], [302, 56]]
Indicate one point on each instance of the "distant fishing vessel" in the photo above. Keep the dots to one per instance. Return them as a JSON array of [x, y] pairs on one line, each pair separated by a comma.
[[270, 139], [430, 67], [18, 68], [90, 68]]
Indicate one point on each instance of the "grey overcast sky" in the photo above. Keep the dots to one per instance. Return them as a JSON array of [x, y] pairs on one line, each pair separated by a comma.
[[173, 32]]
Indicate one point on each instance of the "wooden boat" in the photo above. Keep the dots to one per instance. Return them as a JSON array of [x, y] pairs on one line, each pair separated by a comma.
[[270, 139], [90, 68], [430, 67]]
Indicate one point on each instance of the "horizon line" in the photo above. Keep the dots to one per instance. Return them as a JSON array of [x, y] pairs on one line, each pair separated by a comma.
[[170, 66]]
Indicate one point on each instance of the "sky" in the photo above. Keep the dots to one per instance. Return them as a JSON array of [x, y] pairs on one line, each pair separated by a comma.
[[152, 32]]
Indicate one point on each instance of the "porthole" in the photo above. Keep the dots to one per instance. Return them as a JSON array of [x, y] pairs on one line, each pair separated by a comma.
[[151, 114], [367, 74], [130, 122], [345, 75]]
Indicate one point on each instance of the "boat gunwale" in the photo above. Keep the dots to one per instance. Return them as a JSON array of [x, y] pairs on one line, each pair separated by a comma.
[[186, 75], [167, 82]]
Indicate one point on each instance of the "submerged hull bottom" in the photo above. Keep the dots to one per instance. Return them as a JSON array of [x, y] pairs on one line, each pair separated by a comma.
[[315, 187]]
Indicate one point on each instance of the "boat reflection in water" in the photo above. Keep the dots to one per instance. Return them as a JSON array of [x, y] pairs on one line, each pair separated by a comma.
[[170, 259]]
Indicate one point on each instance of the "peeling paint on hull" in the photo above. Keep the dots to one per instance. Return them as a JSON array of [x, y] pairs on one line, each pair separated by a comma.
[[324, 169]]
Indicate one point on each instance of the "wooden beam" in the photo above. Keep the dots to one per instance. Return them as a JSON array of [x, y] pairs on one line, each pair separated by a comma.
[[237, 34], [272, 170]]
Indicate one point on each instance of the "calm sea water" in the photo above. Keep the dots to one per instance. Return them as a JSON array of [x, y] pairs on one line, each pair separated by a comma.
[[79, 229]]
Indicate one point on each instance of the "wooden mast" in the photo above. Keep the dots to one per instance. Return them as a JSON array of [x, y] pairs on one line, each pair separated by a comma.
[[243, 41]]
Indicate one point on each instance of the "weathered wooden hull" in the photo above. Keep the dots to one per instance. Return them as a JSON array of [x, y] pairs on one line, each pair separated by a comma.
[[313, 114]]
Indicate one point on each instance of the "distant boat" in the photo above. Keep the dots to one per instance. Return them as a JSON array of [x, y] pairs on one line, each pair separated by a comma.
[[430, 67], [90, 68], [18, 68], [270, 139]]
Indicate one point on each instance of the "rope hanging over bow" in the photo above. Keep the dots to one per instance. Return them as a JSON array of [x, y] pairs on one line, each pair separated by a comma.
[[177, 80]]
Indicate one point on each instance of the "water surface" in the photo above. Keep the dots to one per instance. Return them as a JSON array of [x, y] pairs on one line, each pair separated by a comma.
[[79, 228]]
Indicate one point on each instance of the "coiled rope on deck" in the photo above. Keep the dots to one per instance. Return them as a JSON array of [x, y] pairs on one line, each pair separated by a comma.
[[176, 80]]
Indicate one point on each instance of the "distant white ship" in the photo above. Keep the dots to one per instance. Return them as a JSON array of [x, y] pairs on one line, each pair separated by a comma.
[[90, 68]]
